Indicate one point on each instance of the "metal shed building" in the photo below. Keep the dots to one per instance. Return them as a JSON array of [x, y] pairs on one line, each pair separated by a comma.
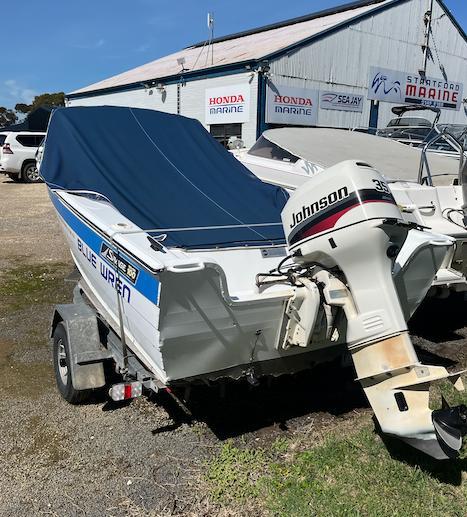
[[342, 67]]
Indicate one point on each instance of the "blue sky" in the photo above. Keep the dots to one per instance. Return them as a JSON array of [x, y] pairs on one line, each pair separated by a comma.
[[57, 45]]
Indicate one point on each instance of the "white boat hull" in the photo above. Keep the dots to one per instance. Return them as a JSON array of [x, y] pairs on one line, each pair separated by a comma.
[[184, 325]]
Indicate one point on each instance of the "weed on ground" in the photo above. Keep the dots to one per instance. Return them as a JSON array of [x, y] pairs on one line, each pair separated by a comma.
[[31, 284], [350, 473]]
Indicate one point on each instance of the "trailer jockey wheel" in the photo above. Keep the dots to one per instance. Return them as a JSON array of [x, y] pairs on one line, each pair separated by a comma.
[[61, 355]]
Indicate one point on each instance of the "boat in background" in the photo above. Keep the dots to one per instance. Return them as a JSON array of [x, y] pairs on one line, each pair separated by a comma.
[[194, 270], [428, 188], [420, 132]]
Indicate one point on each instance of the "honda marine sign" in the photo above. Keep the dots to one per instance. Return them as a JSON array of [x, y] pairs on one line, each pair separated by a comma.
[[228, 104], [404, 88], [286, 105]]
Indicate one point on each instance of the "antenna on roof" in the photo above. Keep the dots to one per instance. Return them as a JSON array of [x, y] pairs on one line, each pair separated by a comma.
[[208, 43], [211, 35], [181, 62]]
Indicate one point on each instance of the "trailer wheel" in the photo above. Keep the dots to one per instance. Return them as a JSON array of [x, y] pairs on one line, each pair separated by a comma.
[[61, 355]]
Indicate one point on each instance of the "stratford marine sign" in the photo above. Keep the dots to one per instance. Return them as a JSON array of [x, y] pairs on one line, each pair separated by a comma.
[[407, 88]]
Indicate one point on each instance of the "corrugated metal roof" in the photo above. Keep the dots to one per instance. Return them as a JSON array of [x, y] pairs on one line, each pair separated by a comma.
[[291, 21], [250, 46]]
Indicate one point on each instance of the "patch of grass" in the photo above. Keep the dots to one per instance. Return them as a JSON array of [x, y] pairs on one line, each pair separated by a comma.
[[25, 285], [446, 390], [233, 476], [356, 475], [353, 474]]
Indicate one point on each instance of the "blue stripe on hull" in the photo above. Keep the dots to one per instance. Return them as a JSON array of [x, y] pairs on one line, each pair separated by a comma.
[[146, 284]]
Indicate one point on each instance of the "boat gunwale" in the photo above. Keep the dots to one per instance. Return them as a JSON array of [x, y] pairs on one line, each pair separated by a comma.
[[229, 300]]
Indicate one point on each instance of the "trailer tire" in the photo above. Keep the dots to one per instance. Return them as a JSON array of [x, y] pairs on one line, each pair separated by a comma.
[[61, 358]]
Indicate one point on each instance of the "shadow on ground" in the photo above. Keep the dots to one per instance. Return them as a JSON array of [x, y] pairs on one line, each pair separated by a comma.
[[440, 320], [234, 408], [446, 471]]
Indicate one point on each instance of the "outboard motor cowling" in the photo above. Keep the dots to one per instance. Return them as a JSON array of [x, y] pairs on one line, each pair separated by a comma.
[[347, 194], [344, 227], [347, 218]]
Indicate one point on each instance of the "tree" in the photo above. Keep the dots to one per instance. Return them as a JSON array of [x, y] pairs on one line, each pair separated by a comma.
[[49, 99], [23, 108], [7, 117], [45, 99]]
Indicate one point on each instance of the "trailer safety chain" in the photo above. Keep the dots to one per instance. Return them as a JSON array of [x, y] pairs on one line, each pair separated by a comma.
[[124, 371]]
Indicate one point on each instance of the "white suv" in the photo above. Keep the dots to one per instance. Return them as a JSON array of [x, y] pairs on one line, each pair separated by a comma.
[[18, 155]]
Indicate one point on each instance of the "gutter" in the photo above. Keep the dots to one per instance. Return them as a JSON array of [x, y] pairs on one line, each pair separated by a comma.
[[185, 77]]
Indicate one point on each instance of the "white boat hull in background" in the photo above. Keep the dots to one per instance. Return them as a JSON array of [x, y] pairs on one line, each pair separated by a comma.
[[423, 205]]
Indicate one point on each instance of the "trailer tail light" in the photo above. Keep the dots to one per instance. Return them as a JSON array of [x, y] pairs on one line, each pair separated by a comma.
[[126, 390], [7, 149]]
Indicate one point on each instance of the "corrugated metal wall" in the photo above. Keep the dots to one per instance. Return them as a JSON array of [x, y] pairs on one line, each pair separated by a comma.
[[192, 99], [390, 39], [338, 62], [142, 98]]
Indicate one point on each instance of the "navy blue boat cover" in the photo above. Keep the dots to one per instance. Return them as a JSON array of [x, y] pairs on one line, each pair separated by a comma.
[[161, 171]]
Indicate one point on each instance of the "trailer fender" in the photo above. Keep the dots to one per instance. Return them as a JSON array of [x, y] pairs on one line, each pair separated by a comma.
[[86, 351]]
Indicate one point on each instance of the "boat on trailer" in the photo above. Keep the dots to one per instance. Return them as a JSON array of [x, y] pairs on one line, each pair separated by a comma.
[[193, 270], [429, 188]]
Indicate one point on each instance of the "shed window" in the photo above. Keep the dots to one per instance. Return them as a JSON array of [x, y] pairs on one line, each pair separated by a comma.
[[222, 132]]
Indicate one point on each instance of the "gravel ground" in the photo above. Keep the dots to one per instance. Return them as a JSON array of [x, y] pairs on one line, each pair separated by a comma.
[[40, 239], [146, 457]]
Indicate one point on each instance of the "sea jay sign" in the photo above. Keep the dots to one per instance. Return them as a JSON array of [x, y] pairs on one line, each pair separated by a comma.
[[227, 104], [405, 88], [287, 105], [341, 101]]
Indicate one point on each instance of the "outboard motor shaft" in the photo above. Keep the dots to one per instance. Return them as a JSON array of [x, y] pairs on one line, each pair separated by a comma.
[[345, 226]]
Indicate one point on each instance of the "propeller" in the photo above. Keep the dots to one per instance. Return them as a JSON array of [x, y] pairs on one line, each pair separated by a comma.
[[450, 425]]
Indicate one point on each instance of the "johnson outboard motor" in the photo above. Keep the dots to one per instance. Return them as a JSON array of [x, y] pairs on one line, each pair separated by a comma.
[[345, 231]]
